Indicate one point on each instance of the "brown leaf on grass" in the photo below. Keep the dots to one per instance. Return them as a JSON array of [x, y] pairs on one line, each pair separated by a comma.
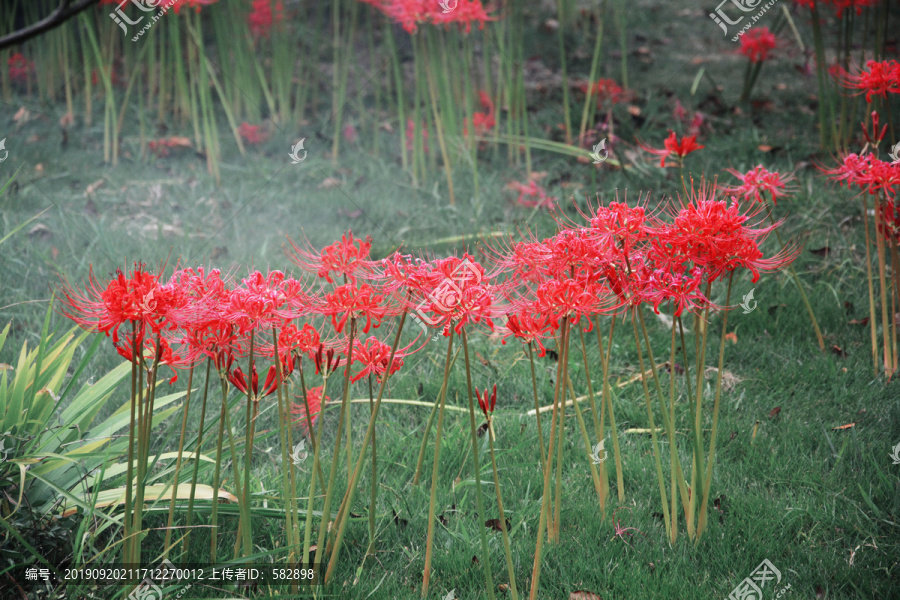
[[583, 595], [634, 111], [842, 427], [729, 379], [764, 148], [349, 214], [22, 115], [482, 429], [474, 559], [387, 126], [838, 350], [820, 593], [774, 412], [89, 191], [503, 587], [495, 524], [328, 183], [823, 251], [731, 337], [39, 168], [54, 251], [40, 232], [66, 120], [863, 321]]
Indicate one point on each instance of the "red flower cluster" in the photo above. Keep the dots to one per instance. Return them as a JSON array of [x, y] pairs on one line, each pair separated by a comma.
[[757, 43], [531, 195], [758, 181], [19, 67], [606, 90], [252, 134], [840, 5], [262, 17], [878, 78], [867, 173], [673, 146], [412, 13]]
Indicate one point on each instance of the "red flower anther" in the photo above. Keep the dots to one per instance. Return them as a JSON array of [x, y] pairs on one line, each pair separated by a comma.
[[487, 402]]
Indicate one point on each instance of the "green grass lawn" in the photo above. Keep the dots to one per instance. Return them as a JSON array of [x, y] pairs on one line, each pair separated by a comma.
[[819, 502]]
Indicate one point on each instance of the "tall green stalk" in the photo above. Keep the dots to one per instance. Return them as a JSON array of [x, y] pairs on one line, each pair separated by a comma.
[[486, 552]]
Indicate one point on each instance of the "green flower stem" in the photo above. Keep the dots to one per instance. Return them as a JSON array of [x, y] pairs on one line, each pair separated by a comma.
[[486, 552], [587, 374], [563, 374], [184, 415], [872, 319], [234, 464], [197, 448], [607, 399], [373, 497], [438, 123], [129, 469], [545, 501], [429, 539], [701, 329], [656, 453], [287, 466], [310, 503], [434, 409], [595, 61], [668, 423], [246, 525], [701, 519], [309, 424], [595, 476], [537, 405], [509, 562], [885, 323], [370, 433], [332, 475]]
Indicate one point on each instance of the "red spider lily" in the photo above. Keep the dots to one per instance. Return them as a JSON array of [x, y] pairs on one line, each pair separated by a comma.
[[719, 237], [237, 379], [757, 43], [674, 146], [348, 258], [262, 17], [19, 67], [293, 340], [372, 355], [483, 122], [260, 302], [573, 298], [675, 283], [757, 181], [412, 13], [150, 352], [315, 401], [878, 78], [694, 122], [527, 325], [410, 136], [487, 402], [136, 298], [360, 302], [252, 134], [839, 5], [456, 292], [605, 90], [851, 170], [618, 228], [531, 195]]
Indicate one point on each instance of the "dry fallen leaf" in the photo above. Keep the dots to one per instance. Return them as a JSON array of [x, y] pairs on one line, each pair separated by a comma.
[[94, 187], [40, 231], [774, 412], [39, 168], [328, 183], [841, 427], [22, 115], [731, 337], [583, 595], [495, 524]]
